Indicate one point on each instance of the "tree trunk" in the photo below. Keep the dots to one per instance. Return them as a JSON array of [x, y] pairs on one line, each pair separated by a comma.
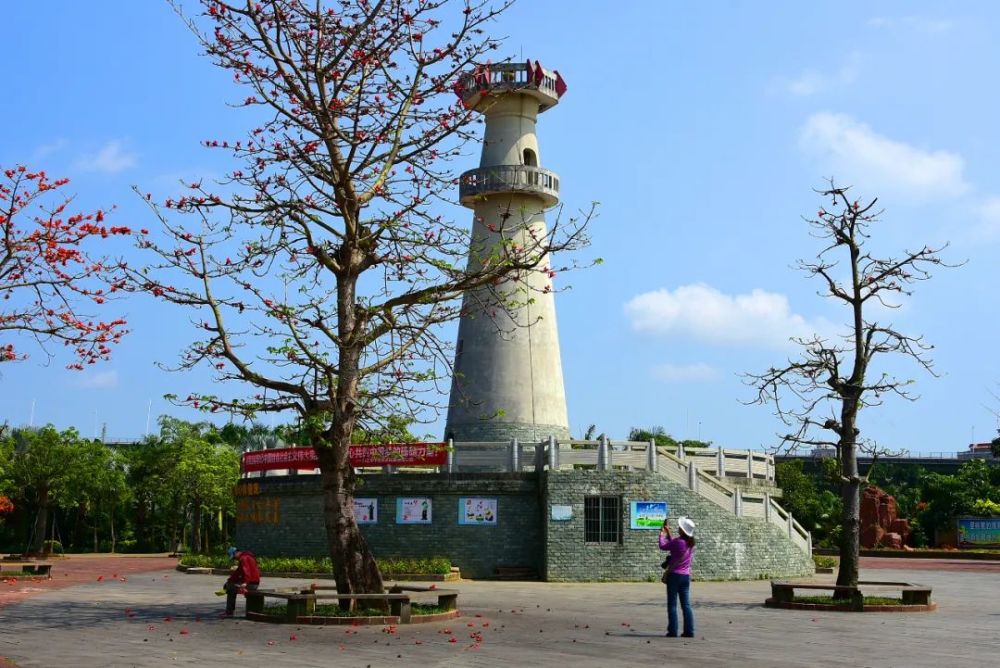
[[850, 538], [196, 527], [79, 532], [143, 535], [97, 523], [354, 567], [41, 521], [176, 535]]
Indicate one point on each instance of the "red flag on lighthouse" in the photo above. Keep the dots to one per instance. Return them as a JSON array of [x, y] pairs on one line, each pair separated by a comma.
[[560, 84]]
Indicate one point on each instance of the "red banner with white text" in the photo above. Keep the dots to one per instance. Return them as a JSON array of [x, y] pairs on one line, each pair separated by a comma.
[[389, 454]]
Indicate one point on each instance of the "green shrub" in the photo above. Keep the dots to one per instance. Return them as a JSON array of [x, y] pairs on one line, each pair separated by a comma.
[[295, 564], [986, 507], [206, 561], [411, 566], [390, 567], [52, 547], [823, 561]]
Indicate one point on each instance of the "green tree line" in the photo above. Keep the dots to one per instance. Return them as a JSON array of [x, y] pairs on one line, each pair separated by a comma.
[[169, 491], [153, 496], [930, 501]]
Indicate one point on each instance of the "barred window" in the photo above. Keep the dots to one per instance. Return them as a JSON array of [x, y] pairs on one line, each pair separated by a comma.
[[602, 519]]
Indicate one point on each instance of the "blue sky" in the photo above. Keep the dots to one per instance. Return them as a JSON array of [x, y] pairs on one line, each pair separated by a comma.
[[701, 128]]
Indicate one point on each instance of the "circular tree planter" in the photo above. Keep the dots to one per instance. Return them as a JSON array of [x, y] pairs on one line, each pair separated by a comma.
[[914, 597], [321, 620], [320, 605], [795, 605]]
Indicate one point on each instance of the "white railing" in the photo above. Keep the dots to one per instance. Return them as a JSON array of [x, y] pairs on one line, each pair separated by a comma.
[[606, 454], [783, 519], [731, 463]]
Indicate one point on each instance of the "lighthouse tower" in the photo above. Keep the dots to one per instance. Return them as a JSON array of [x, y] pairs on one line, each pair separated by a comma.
[[508, 380]]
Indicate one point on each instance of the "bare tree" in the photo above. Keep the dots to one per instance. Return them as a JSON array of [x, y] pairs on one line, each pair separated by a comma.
[[821, 394], [321, 271]]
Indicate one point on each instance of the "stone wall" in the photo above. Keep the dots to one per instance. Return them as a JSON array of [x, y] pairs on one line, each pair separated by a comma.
[[282, 516], [727, 547], [516, 540]]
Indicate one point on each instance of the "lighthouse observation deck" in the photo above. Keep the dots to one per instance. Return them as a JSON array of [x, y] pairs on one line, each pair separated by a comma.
[[527, 78], [476, 184]]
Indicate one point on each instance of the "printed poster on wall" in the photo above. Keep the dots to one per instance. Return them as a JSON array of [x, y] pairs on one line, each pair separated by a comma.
[[413, 510], [477, 511], [648, 514], [366, 511]]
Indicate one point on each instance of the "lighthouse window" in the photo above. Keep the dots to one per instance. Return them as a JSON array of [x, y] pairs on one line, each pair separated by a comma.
[[530, 159]]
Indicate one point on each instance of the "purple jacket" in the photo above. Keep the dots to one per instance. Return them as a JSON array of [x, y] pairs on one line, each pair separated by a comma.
[[680, 554]]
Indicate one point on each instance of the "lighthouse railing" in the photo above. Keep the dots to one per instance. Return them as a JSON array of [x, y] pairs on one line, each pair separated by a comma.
[[507, 76], [508, 178]]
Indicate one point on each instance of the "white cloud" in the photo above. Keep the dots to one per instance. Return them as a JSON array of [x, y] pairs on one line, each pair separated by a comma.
[[811, 82], [45, 150], [702, 312], [696, 373], [989, 219], [110, 159], [102, 380], [857, 154], [919, 23]]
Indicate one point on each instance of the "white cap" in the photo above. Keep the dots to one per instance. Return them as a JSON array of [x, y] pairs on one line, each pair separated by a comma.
[[686, 525]]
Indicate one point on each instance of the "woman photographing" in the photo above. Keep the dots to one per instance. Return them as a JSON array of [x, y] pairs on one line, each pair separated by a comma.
[[678, 574]]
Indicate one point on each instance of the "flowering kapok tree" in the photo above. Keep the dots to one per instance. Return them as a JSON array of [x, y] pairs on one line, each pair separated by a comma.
[[321, 270], [48, 281]]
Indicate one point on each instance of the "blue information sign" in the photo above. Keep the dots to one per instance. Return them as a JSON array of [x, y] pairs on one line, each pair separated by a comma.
[[979, 532]]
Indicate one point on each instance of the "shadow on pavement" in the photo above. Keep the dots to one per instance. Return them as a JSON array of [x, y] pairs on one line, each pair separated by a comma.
[[55, 615]]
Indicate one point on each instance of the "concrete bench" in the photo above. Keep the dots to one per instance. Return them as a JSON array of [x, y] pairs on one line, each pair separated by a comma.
[[302, 603], [399, 604], [783, 591], [447, 599], [399, 598], [912, 594], [296, 603], [33, 567]]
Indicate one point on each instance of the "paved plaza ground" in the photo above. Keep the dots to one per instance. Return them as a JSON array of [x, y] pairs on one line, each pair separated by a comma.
[[163, 617]]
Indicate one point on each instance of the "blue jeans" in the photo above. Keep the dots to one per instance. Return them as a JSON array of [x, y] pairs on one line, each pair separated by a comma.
[[679, 586]]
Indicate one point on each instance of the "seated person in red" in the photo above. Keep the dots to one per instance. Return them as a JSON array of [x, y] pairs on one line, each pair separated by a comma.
[[246, 577]]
